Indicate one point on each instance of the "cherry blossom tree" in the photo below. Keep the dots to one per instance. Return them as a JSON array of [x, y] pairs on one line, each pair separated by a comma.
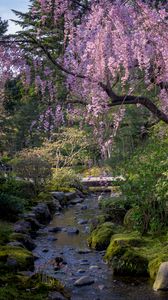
[[113, 53]]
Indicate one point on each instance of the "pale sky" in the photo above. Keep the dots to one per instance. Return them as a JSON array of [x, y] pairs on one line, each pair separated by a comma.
[[6, 13]]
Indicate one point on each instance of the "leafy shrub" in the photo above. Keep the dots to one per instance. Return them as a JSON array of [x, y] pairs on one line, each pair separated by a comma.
[[70, 147], [117, 202], [146, 185], [10, 206], [30, 166], [64, 178], [16, 187], [114, 208], [97, 171]]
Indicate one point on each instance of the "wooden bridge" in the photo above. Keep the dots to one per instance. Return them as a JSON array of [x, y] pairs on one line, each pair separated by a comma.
[[104, 182]]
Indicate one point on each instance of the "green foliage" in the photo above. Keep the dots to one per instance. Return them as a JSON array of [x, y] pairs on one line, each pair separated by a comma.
[[10, 206], [131, 133], [114, 202], [64, 178], [146, 185], [17, 187], [30, 166], [97, 171], [69, 147], [5, 232], [114, 208]]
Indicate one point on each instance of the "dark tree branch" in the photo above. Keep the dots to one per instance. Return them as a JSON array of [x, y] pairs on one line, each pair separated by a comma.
[[130, 99]]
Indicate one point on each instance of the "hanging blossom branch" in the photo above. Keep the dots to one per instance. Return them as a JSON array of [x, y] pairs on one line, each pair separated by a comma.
[[111, 38], [112, 35]]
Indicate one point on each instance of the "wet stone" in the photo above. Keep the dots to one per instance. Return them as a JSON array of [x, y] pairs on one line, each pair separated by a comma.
[[84, 260], [72, 230], [84, 207], [81, 271], [52, 239], [58, 195], [83, 251], [94, 267], [82, 222], [84, 263], [45, 250], [22, 226], [55, 296], [71, 195], [76, 201], [84, 280], [55, 229]]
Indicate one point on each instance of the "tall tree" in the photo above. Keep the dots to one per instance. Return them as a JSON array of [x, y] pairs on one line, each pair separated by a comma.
[[3, 27]]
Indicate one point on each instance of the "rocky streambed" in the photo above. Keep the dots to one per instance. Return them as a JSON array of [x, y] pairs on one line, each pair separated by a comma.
[[83, 270]]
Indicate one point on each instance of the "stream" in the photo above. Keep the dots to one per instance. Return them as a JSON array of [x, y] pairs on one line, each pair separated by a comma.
[[80, 261]]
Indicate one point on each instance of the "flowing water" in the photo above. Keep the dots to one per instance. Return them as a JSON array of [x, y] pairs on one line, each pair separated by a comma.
[[81, 261]]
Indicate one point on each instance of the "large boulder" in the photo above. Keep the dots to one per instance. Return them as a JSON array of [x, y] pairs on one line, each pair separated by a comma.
[[35, 225], [24, 239], [23, 226], [70, 196], [54, 205], [42, 213], [100, 237], [58, 195], [122, 255], [161, 282]]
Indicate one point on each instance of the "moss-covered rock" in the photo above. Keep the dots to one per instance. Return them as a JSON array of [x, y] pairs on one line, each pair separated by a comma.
[[98, 220], [100, 237], [23, 259], [36, 287], [123, 256], [24, 239]]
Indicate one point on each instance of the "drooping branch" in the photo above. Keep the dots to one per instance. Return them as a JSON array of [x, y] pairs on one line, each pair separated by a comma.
[[116, 100], [130, 99]]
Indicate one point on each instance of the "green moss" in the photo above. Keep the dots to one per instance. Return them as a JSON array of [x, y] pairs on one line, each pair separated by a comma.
[[123, 256], [23, 257], [100, 237], [16, 236], [36, 287], [102, 219], [12, 293], [132, 254]]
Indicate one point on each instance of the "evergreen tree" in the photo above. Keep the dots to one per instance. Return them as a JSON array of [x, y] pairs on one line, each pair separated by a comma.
[[3, 27]]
